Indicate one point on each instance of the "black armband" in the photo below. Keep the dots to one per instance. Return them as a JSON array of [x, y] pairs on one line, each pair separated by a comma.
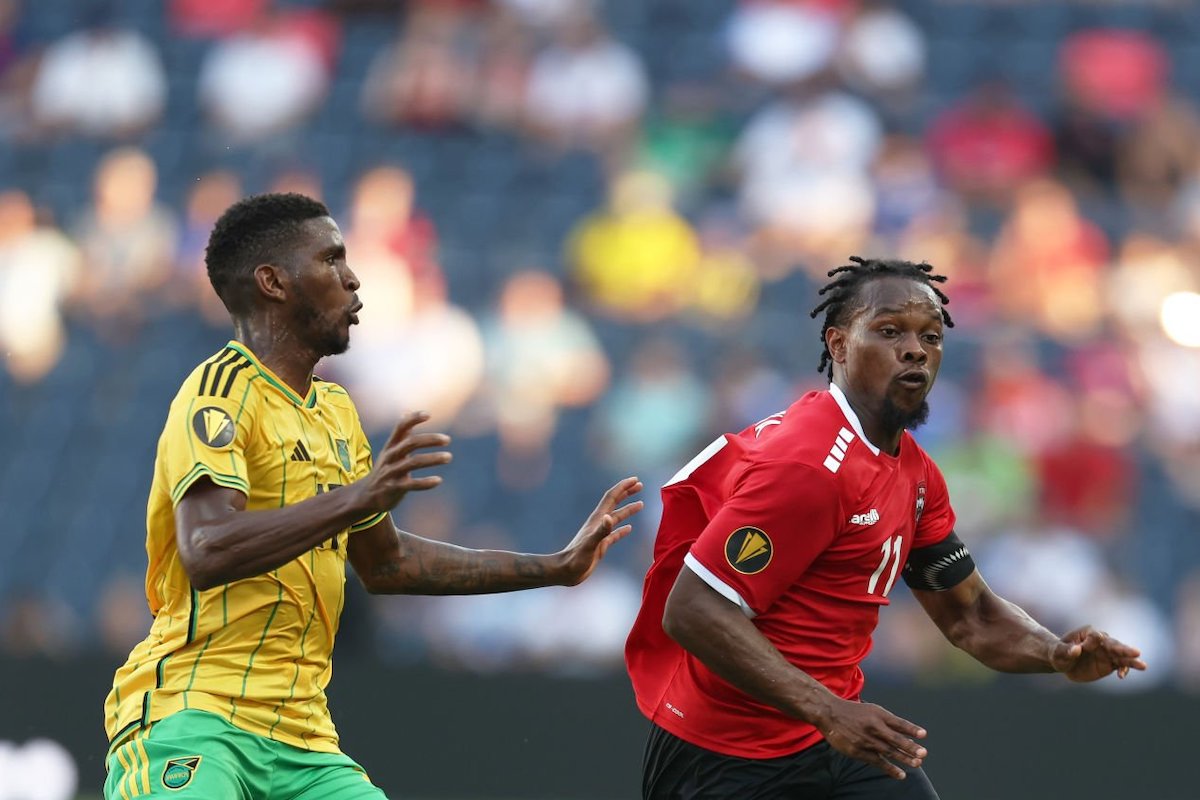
[[940, 566]]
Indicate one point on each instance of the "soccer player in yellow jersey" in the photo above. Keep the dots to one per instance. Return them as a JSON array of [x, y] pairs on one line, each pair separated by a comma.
[[248, 540]]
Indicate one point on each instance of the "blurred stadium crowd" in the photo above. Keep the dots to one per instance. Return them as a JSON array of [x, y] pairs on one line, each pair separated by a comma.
[[589, 234]]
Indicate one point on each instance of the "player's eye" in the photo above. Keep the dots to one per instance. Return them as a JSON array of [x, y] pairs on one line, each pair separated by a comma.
[[933, 338], [888, 331]]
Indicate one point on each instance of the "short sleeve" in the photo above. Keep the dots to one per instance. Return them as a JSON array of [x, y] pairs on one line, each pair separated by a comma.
[[935, 518], [206, 437], [363, 462], [779, 518]]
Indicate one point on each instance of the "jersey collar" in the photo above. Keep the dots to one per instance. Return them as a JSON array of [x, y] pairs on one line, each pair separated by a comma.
[[851, 417], [306, 402]]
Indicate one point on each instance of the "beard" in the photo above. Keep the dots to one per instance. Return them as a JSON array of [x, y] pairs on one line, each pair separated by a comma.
[[896, 418], [323, 337]]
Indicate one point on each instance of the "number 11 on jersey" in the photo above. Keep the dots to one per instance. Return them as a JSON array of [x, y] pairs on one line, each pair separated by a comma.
[[891, 551]]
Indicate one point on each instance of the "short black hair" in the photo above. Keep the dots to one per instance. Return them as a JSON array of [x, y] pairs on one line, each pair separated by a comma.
[[844, 290], [253, 231]]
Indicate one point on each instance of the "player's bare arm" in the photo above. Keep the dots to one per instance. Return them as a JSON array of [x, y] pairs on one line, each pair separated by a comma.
[[717, 632], [220, 541], [999, 634], [391, 561]]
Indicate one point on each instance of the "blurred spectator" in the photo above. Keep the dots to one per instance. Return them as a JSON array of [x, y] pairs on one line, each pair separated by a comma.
[[586, 89], [726, 283], [39, 267], [505, 58], [203, 19], [426, 356], [121, 614], [1048, 263], [32, 624], [425, 78], [906, 188], [988, 144], [779, 42], [260, 82], [128, 242], [18, 68], [882, 55], [212, 193], [636, 260], [653, 420], [1017, 402], [1120, 74], [1054, 573], [1158, 155], [803, 162], [942, 238], [298, 179], [1085, 481], [390, 237], [540, 356], [1147, 270], [99, 81]]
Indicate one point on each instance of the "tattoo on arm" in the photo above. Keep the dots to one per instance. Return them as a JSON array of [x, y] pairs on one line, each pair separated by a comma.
[[420, 566]]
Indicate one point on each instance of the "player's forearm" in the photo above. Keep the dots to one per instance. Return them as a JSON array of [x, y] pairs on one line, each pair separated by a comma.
[[1000, 635], [424, 566], [716, 631], [236, 544]]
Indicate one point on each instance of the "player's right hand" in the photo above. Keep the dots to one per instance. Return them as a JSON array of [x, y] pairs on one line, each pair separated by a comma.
[[875, 735], [406, 450]]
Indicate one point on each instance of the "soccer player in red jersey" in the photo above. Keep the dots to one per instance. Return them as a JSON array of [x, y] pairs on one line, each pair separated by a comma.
[[777, 547]]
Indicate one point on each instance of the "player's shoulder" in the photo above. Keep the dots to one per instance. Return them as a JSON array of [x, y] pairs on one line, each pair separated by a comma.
[[224, 376], [333, 395], [807, 430]]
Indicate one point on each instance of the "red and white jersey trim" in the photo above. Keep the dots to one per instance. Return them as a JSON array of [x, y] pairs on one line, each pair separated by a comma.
[[719, 586], [851, 417]]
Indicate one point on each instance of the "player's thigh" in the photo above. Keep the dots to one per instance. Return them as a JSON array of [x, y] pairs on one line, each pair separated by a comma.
[[187, 755], [674, 769], [303, 775], [857, 780]]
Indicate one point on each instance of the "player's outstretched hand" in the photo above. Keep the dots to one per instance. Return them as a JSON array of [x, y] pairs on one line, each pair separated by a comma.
[[602, 528], [406, 450], [1086, 654], [875, 735]]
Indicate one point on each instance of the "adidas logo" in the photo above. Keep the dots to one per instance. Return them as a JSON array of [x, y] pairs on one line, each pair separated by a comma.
[[869, 518], [300, 453]]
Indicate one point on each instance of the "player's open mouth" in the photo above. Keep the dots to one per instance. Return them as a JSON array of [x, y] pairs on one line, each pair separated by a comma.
[[914, 379], [354, 313]]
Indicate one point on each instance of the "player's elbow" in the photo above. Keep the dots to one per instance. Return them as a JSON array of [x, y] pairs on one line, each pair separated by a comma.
[[200, 560]]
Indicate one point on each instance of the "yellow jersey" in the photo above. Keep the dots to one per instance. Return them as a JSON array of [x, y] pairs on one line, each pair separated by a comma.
[[256, 651]]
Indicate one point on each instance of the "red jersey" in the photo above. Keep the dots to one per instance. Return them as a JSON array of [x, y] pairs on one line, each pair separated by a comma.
[[806, 526]]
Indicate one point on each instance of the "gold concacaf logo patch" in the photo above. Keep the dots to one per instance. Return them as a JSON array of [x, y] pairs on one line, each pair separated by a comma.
[[748, 550], [213, 426]]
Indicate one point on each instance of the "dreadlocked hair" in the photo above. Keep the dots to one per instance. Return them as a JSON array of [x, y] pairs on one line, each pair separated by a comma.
[[844, 289]]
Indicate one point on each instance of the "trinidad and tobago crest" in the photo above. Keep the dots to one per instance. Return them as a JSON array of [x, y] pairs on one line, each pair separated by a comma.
[[920, 500], [179, 772]]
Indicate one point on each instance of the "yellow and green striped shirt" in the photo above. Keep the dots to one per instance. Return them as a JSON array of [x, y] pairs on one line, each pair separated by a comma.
[[256, 651]]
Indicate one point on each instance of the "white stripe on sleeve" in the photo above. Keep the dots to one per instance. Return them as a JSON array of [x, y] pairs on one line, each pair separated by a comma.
[[719, 586]]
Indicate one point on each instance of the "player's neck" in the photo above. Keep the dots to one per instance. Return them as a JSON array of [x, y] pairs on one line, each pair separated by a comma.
[[870, 416], [278, 349]]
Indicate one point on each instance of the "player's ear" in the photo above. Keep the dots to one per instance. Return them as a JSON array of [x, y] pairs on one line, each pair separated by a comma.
[[835, 340], [272, 282]]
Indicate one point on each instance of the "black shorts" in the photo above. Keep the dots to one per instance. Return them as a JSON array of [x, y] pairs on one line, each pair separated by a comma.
[[677, 770]]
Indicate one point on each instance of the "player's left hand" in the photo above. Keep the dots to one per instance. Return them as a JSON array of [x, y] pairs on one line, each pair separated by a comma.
[[1086, 654], [602, 528]]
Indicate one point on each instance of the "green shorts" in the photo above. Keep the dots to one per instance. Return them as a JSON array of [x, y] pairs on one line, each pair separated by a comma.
[[199, 755]]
